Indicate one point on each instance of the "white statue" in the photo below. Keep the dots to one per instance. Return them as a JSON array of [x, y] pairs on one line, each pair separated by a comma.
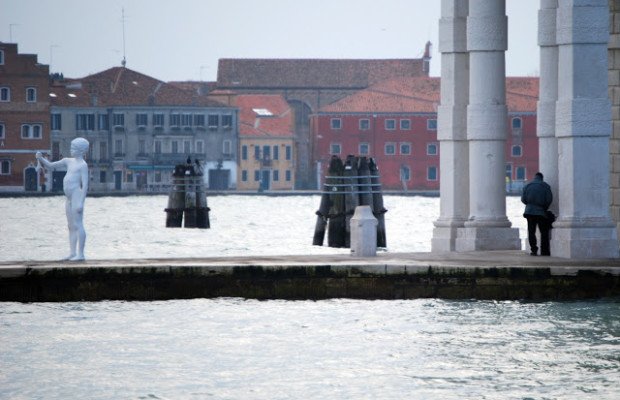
[[75, 186]]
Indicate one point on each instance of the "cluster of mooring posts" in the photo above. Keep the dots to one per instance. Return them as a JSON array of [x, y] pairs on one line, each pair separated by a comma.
[[188, 198], [349, 185]]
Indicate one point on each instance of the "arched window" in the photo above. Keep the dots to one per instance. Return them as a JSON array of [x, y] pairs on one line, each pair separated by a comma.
[[517, 123]]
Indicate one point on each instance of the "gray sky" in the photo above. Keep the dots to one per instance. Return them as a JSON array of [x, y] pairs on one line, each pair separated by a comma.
[[183, 39]]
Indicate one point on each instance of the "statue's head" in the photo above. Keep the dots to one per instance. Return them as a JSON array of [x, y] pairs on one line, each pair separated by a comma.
[[79, 146]]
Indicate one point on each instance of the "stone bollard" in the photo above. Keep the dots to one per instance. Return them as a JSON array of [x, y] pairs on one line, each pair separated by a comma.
[[363, 232]]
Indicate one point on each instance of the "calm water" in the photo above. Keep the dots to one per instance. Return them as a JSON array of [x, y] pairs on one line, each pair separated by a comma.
[[134, 227], [245, 349]]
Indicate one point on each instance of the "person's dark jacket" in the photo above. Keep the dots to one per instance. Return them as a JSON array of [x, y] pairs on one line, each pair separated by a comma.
[[537, 197]]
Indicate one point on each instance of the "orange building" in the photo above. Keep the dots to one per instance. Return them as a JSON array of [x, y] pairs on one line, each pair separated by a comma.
[[24, 118]]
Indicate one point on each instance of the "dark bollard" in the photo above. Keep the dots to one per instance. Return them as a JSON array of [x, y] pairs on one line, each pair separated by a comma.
[[321, 220], [176, 200], [202, 210], [337, 223], [190, 201], [364, 188], [377, 203], [351, 197]]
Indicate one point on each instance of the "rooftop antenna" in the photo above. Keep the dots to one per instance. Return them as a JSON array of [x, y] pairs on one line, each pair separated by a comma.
[[124, 62]]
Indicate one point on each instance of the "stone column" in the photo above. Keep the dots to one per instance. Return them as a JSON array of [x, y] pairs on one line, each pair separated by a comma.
[[583, 125], [548, 94], [452, 125], [488, 228]]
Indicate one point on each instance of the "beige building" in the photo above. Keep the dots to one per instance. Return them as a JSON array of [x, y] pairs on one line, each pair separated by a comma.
[[266, 159]]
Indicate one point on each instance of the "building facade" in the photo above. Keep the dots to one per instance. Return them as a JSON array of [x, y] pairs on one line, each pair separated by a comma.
[[266, 157], [139, 128], [24, 118], [395, 122]]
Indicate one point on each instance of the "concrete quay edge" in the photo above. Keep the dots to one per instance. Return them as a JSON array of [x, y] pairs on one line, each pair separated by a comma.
[[497, 275]]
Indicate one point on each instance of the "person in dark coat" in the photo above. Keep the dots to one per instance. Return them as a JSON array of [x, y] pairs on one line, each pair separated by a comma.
[[537, 198]]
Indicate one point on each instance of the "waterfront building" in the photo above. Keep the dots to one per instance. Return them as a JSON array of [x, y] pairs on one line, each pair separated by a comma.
[[310, 84], [24, 118], [139, 128], [266, 159], [395, 122]]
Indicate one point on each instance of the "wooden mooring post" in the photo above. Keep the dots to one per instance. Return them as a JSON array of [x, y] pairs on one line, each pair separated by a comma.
[[348, 185], [187, 199]]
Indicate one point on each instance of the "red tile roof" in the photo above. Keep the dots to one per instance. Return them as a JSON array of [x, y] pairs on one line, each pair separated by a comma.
[[253, 121], [312, 73], [119, 86], [410, 95]]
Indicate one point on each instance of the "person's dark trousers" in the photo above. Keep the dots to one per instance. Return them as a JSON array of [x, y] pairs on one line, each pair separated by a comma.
[[543, 226]]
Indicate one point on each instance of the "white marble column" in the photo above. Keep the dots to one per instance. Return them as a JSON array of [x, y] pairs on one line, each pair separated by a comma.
[[548, 94], [487, 228], [583, 126], [452, 125]]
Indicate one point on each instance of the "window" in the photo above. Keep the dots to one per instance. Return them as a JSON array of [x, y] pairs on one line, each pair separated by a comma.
[[431, 174], [102, 176], [31, 95], [213, 120], [199, 120], [405, 124], [141, 119], [244, 175], [431, 149], [142, 146], [516, 123], [5, 167], [85, 122], [103, 122], [431, 124], [157, 176], [118, 148], [1, 131], [31, 131], [517, 151], [1, 57], [289, 152], [520, 173], [257, 152], [364, 149], [276, 152], [336, 123], [390, 149], [200, 147], [334, 148], [158, 147], [227, 147], [175, 120], [118, 119], [103, 151], [405, 173], [256, 176], [405, 148], [186, 120], [226, 121], [56, 121], [267, 152], [5, 93], [158, 120], [276, 175], [390, 124], [288, 175], [509, 171], [187, 147], [364, 124], [174, 147]]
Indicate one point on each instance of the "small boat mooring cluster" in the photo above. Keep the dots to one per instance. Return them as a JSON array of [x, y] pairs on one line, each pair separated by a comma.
[[348, 185], [187, 199]]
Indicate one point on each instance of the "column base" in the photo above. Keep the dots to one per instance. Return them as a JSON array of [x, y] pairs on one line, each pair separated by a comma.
[[585, 242], [444, 239], [487, 238]]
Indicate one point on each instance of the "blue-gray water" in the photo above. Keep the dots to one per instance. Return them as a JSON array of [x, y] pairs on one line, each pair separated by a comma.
[[246, 349], [337, 349]]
